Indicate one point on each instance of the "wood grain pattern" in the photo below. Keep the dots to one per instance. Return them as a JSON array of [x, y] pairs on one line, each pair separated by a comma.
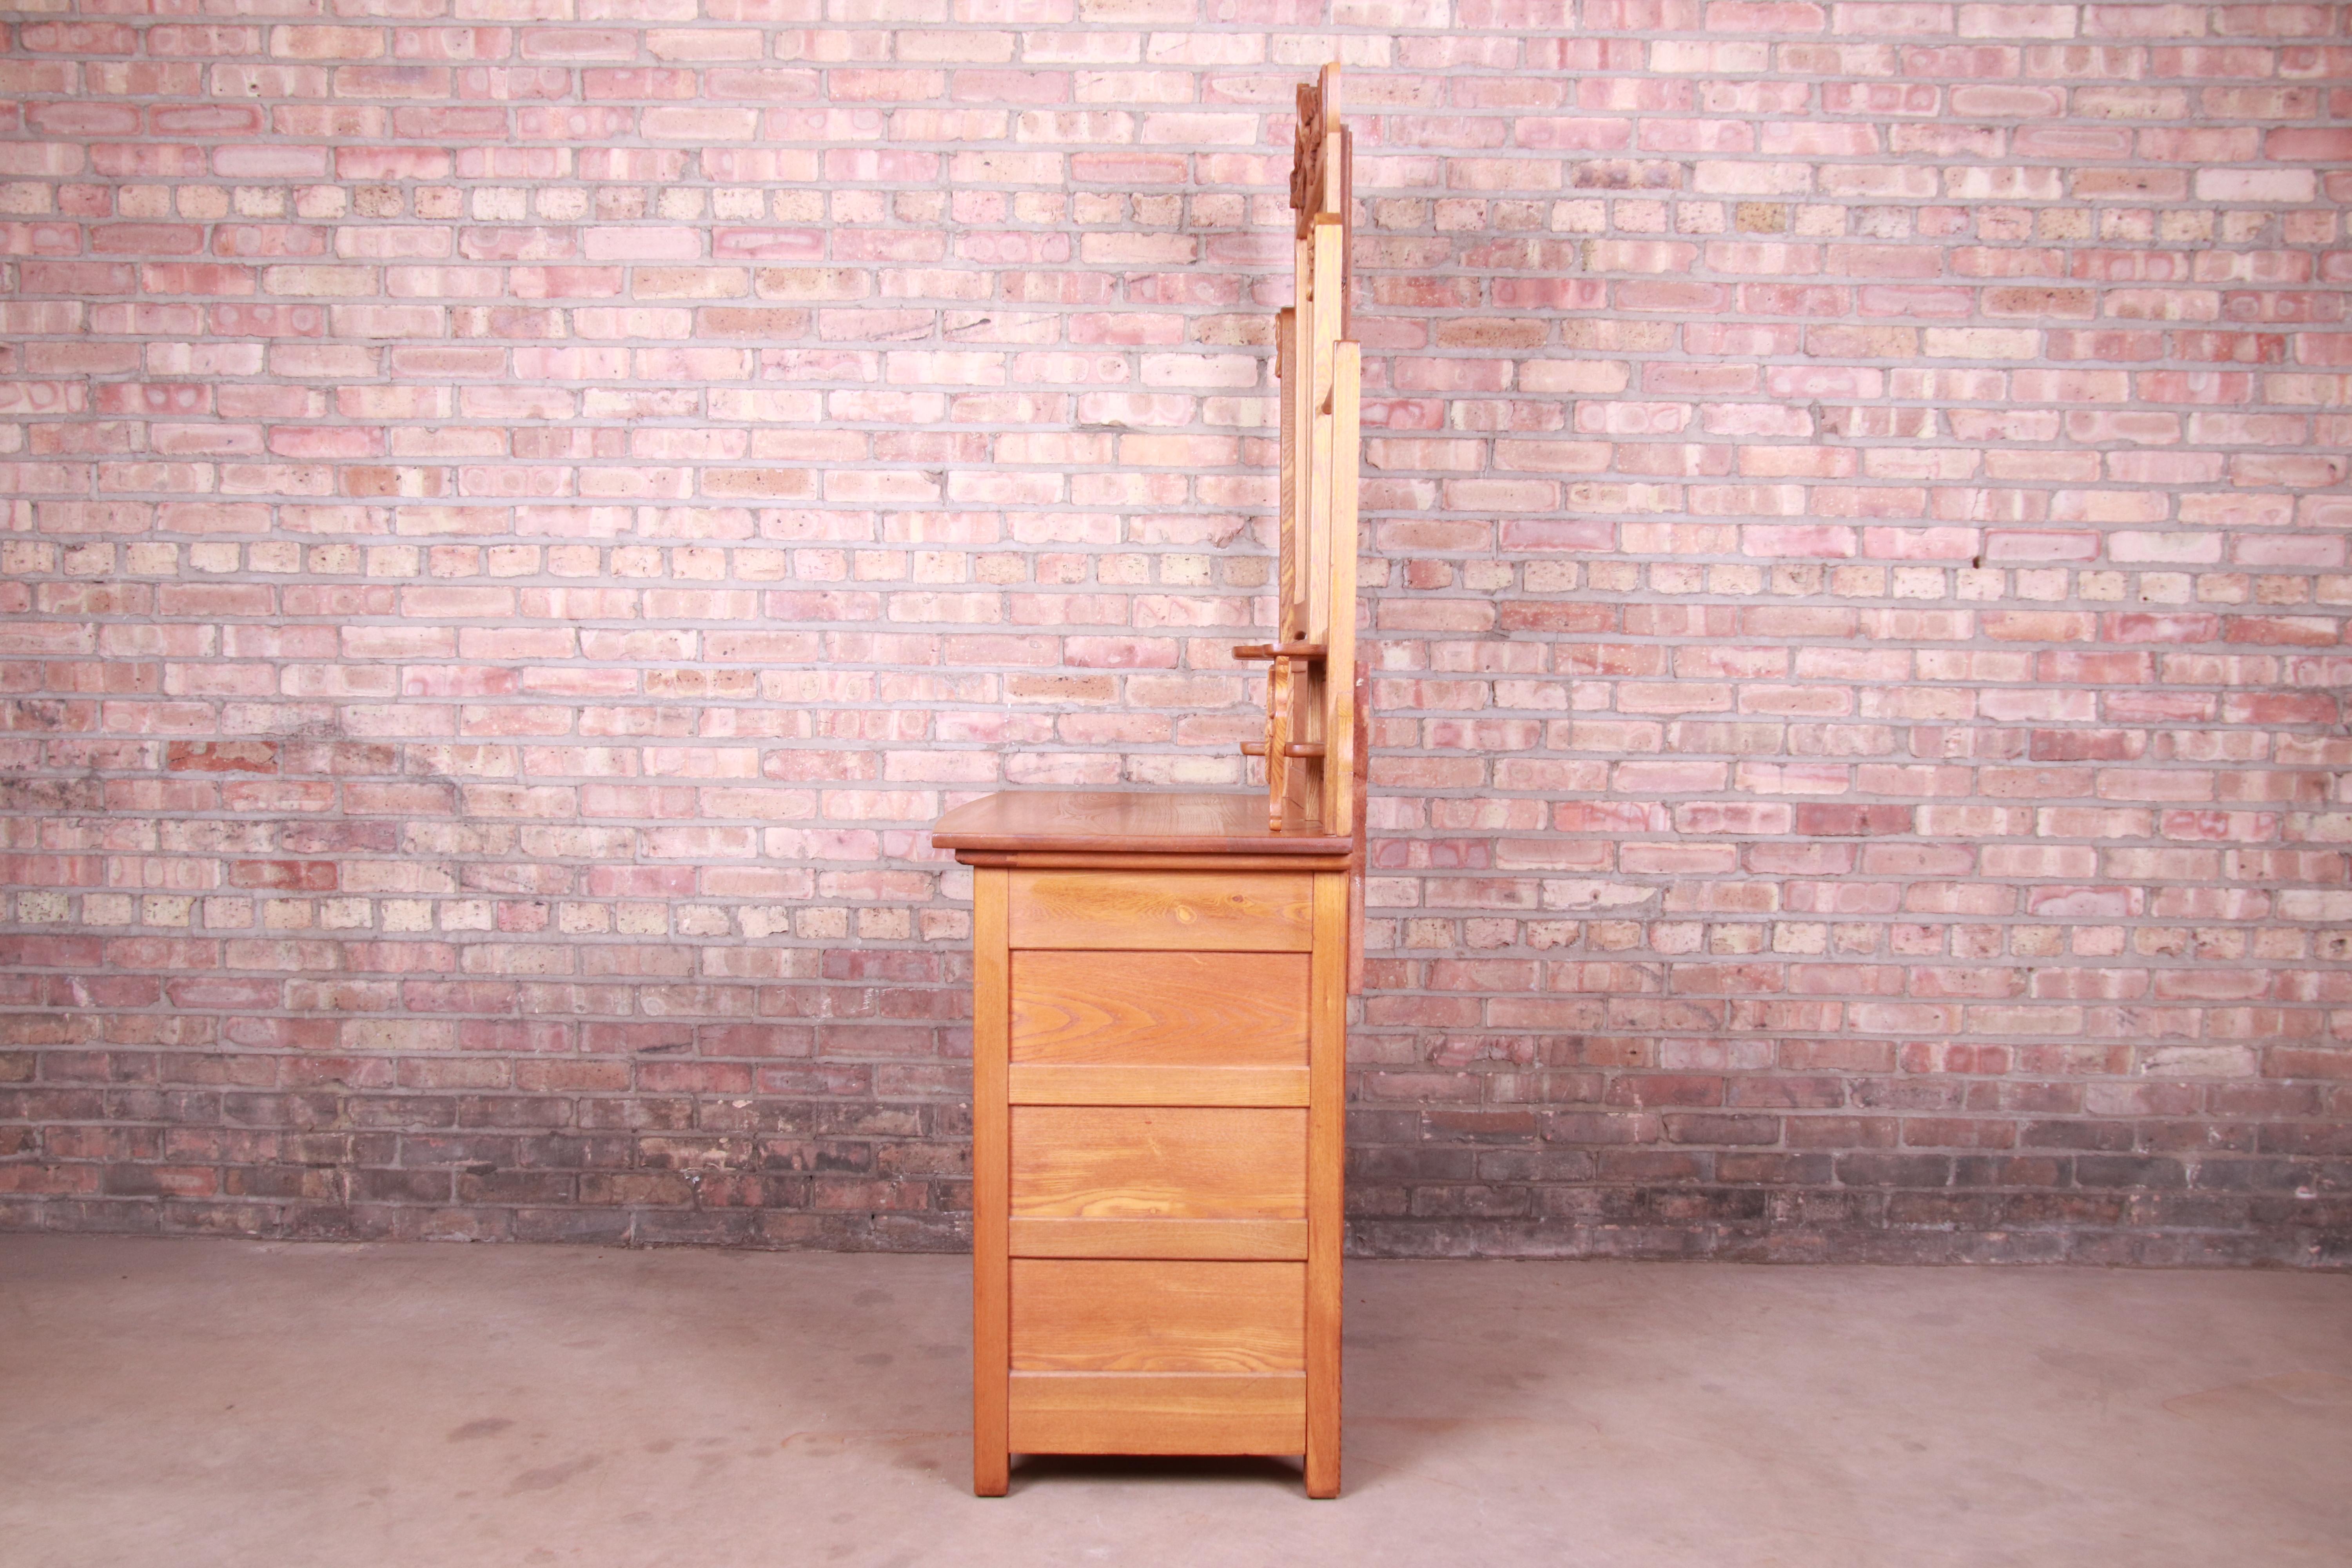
[[1297, 371], [1160, 1009], [1340, 799], [1261, 1239], [1157, 1315], [1242, 912], [1329, 264], [1326, 1183], [1288, 499], [1101, 1162], [1054, 1083], [990, 1141], [1281, 689], [1157, 1413], [1105, 821]]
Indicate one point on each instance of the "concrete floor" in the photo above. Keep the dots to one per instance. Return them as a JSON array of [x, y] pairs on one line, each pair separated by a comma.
[[182, 1403]]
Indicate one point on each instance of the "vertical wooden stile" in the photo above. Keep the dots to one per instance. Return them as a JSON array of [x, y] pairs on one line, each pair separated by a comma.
[[1326, 1095], [1279, 700], [1323, 346], [991, 1002], [1306, 779], [1286, 372], [1339, 804], [1281, 709], [1298, 423], [1345, 207]]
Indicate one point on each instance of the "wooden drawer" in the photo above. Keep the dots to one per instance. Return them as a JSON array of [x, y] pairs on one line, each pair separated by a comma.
[[1113, 1357], [1233, 911], [1156, 1412], [1158, 1028], [1155, 1315], [1158, 1182]]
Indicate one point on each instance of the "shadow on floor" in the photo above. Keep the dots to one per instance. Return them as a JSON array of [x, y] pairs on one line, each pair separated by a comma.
[[1037, 1469]]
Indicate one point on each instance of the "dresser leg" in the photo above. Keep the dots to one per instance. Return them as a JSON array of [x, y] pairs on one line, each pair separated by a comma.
[[991, 1360], [1327, 1137], [990, 1433]]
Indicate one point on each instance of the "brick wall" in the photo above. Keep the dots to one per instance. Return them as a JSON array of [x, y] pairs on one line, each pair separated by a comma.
[[521, 511]]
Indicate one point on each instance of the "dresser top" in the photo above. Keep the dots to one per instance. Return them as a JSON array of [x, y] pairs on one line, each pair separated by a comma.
[[1128, 823]]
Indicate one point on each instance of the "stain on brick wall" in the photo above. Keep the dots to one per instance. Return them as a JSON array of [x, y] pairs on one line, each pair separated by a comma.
[[521, 511]]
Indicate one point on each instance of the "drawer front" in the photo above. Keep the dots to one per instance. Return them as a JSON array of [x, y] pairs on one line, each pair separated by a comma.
[[1156, 1315], [1158, 1028], [1188, 912], [1156, 1412], [1099, 1181]]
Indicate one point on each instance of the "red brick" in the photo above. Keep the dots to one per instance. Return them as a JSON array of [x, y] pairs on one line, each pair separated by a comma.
[[674, 542]]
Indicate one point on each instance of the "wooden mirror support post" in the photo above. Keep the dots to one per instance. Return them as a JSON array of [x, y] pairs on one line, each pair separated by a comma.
[[1159, 992]]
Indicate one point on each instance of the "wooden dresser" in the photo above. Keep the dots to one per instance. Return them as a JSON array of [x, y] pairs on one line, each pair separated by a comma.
[[1159, 1044], [1159, 1014]]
